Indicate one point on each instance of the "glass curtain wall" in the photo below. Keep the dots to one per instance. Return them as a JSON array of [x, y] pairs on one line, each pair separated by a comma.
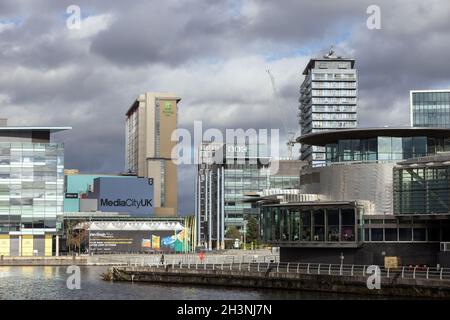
[[292, 224], [31, 186], [421, 190], [384, 148]]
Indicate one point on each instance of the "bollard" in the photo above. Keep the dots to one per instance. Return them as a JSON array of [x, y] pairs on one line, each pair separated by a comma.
[[428, 270], [414, 272], [318, 269], [278, 267], [352, 269], [388, 272], [287, 269], [258, 266], [307, 269], [329, 269], [403, 272], [298, 265], [441, 273]]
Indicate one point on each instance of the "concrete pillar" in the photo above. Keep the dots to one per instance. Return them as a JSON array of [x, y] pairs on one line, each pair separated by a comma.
[[222, 198], [57, 245], [210, 211], [206, 227], [20, 245], [218, 215]]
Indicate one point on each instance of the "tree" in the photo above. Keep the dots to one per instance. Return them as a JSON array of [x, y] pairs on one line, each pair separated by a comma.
[[232, 234], [252, 230]]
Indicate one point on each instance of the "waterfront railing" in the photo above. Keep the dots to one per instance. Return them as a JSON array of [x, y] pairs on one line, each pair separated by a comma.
[[401, 272]]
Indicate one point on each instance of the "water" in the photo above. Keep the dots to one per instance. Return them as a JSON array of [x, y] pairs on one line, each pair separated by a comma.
[[49, 282]]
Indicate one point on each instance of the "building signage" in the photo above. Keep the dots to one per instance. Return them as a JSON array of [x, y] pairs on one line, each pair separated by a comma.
[[126, 203], [120, 241], [131, 195], [71, 195], [167, 110]]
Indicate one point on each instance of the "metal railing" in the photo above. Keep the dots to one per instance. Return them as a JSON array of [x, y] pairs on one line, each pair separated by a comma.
[[403, 272], [187, 259]]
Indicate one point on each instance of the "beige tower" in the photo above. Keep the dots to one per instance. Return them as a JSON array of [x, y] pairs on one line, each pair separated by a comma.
[[150, 121]]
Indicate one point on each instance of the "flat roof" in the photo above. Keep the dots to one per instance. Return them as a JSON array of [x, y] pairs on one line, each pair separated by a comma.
[[435, 159], [29, 128], [311, 62], [327, 137], [313, 203]]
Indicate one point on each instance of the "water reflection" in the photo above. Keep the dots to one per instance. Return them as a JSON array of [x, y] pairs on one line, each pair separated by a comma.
[[50, 283]]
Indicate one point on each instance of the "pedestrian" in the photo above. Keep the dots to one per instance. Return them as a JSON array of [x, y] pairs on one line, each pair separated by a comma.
[[162, 258]]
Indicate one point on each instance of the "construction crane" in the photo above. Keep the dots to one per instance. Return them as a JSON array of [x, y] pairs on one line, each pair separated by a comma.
[[291, 135]]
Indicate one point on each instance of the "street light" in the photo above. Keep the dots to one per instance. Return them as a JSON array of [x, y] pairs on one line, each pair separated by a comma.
[[245, 233]]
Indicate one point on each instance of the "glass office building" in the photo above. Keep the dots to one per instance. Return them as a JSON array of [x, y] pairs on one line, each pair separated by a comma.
[[306, 222], [422, 186], [31, 191], [328, 100], [430, 108], [380, 144], [227, 175]]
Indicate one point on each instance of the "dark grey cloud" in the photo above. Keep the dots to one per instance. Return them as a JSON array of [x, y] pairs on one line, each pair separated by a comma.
[[214, 55]]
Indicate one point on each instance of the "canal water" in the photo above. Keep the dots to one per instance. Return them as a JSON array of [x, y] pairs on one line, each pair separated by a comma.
[[39, 282]]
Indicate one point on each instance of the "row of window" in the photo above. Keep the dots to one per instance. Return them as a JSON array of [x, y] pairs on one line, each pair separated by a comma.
[[334, 116], [283, 224], [334, 93], [331, 108], [427, 97], [342, 100], [333, 84], [333, 76]]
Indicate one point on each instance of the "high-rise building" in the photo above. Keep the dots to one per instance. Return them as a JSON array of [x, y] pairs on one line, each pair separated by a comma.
[[227, 175], [150, 121], [328, 100], [430, 108], [31, 190]]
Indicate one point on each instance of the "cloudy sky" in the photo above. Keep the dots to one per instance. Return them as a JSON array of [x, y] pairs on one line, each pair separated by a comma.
[[213, 54]]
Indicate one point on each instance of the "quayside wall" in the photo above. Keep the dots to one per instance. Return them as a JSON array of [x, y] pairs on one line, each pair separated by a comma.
[[270, 279]]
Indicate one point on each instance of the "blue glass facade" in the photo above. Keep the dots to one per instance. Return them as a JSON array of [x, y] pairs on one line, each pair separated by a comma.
[[430, 109], [385, 148]]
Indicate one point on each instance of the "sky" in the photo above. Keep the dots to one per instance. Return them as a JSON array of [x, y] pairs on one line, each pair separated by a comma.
[[214, 55]]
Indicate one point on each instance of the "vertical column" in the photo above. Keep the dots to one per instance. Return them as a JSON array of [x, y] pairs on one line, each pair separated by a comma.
[[199, 207], [218, 215], [20, 245], [57, 246], [206, 227], [195, 198], [210, 211], [222, 198]]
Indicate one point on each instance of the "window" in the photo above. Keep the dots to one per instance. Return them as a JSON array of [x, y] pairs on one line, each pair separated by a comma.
[[348, 225], [419, 234], [305, 217], [333, 225], [405, 234], [319, 225], [390, 234], [376, 234]]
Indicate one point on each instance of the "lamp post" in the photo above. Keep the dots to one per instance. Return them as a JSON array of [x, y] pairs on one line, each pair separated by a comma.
[[245, 233]]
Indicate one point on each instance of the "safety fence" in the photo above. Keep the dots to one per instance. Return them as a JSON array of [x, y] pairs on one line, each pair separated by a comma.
[[261, 266]]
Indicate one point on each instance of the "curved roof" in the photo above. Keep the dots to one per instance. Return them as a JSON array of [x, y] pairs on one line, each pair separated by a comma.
[[327, 137]]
